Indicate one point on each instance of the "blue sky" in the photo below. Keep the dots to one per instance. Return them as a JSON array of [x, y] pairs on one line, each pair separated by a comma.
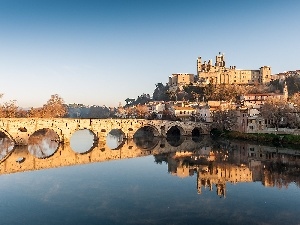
[[101, 52]]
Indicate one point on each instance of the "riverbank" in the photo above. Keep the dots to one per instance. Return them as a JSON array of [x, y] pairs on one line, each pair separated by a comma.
[[276, 139]]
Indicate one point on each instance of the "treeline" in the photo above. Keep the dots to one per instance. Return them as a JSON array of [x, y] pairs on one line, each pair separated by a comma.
[[54, 108], [96, 112], [221, 92]]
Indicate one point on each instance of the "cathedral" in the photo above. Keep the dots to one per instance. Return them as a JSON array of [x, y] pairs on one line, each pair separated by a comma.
[[220, 74]]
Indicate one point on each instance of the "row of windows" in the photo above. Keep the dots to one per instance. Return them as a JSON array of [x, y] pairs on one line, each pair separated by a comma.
[[184, 112]]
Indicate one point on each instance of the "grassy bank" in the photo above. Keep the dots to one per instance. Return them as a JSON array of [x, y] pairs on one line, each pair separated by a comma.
[[286, 139]]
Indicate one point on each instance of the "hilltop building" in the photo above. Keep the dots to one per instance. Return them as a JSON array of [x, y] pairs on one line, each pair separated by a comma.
[[207, 73], [180, 79], [220, 74]]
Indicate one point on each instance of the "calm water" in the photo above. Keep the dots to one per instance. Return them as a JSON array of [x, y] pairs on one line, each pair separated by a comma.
[[146, 181]]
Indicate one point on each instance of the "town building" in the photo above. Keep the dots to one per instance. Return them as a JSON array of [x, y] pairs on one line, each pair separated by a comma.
[[183, 113], [260, 98]]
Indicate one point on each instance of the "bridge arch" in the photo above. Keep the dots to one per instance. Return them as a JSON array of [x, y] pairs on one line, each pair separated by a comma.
[[197, 131], [115, 139], [83, 140], [43, 132], [147, 129], [175, 131], [5, 133], [146, 137], [43, 143]]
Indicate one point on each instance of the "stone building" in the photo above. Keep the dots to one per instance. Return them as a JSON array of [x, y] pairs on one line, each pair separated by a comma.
[[180, 79], [220, 74]]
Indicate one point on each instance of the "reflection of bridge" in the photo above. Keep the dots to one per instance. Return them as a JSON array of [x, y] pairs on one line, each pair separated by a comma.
[[20, 160], [214, 167], [20, 129]]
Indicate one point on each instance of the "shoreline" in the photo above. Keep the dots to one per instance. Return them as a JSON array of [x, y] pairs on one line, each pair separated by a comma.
[[274, 139]]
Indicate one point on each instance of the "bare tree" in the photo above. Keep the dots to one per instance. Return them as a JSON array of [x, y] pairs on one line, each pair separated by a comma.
[[173, 95], [54, 107], [142, 111], [224, 119], [295, 99], [275, 110], [9, 109]]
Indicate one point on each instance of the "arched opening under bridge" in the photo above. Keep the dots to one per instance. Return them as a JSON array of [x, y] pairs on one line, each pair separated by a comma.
[[174, 136], [146, 138], [196, 134], [83, 141], [43, 143], [6, 145], [115, 139]]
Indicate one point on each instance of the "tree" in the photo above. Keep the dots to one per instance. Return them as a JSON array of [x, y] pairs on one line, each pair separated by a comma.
[[295, 99], [129, 101], [35, 112], [224, 119], [143, 99], [173, 95], [54, 107], [293, 118], [99, 112], [160, 91], [9, 109], [195, 96], [275, 110], [142, 111]]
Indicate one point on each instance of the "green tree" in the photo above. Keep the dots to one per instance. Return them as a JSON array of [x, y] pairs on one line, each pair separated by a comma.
[[160, 92]]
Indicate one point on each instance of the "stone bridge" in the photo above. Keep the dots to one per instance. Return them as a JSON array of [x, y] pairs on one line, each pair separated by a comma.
[[20, 129]]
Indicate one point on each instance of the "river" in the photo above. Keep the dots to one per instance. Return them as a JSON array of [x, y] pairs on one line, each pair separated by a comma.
[[148, 181]]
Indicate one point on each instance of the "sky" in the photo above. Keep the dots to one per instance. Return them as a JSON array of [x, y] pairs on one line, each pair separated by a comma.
[[102, 52]]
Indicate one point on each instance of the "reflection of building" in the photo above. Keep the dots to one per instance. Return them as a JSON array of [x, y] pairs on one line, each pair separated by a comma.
[[236, 162], [221, 173]]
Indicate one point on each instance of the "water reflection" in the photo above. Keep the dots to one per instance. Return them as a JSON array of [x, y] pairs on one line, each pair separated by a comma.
[[6, 145], [235, 162], [214, 163], [144, 138], [115, 139], [146, 142], [183, 185], [43, 143], [82, 141], [175, 140]]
